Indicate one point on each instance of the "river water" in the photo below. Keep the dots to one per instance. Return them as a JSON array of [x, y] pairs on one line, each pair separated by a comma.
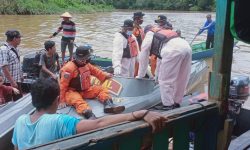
[[98, 29]]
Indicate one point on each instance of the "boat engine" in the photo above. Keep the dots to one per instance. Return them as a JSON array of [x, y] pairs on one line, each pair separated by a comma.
[[239, 87]]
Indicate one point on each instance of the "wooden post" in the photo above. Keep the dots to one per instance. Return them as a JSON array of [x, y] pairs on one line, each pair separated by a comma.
[[222, 60]]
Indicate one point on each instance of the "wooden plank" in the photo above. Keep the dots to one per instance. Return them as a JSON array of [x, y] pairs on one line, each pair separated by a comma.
[[181, 135], [199, 134], [130, 143], [220, 76], [160, 141], [113, 133]]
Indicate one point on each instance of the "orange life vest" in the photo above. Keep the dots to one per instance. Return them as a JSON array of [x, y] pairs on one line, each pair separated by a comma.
[[131, 49], [139, 34], [82, 81], [161, 36]]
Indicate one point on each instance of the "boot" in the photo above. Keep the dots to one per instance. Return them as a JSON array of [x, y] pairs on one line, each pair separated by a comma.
[[88, 114], [110, 107]]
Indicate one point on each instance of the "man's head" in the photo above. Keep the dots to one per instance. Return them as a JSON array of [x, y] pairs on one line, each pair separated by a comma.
[[209, 17], [66, 16], [178, 31], [138, 18], [128, 27], [83, 55], [13, 37], [50, 46], [161, 20], [45, 94]]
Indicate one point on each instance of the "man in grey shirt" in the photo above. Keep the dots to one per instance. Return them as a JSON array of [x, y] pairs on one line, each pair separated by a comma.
[[48, 61]]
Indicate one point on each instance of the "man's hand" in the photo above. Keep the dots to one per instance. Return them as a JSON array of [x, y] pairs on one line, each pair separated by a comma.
[[51, 36], [109, 75], [16, 91], [71, 41], [156, 120], [62, 105], [117, 70]]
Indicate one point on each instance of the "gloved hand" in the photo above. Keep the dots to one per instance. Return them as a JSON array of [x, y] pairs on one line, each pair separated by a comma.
[[117, 70]]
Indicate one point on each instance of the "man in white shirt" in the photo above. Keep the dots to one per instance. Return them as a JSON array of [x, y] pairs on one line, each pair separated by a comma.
[[125, 51], [173, 63]]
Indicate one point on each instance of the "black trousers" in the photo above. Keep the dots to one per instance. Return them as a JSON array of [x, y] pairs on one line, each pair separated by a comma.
[[210, 41]]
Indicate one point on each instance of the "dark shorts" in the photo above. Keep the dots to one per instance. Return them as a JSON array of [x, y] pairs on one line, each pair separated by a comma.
[[64, 45]]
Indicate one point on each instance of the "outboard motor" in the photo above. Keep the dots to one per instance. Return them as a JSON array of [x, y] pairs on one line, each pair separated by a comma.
[[239, 87]]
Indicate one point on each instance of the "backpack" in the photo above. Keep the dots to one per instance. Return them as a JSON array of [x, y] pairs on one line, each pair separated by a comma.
[[31, 63], [240, 20]]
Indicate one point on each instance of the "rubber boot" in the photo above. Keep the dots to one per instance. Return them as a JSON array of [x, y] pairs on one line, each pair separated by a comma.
[[88, 114], [110, 107]]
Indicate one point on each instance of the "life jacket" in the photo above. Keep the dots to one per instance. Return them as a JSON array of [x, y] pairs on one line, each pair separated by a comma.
[[82, 81], [131, 48], [161, 36], [139, 34]]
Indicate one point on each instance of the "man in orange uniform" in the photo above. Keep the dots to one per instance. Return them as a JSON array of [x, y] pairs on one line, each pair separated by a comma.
[[75, 85], [138, 33]]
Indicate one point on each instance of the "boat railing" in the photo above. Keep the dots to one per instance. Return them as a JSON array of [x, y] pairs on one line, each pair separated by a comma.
[[195, 125]]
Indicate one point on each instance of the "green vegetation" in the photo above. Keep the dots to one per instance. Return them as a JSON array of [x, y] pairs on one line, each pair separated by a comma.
[[35, 7], [193, 5], [88, 6]]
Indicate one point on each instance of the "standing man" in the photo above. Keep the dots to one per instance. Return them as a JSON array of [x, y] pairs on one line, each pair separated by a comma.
[[138, 33], [138, 30], [163, 23], [210, 27], [69, 33], [75, 85], [49, 61], [173, 63], [125, 50], [10, 61]]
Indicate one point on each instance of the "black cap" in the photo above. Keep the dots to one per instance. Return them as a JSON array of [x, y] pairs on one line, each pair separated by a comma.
[[12, 34], [138, 14], [83, 52], [128, 23], [49, 44], [161, 18]]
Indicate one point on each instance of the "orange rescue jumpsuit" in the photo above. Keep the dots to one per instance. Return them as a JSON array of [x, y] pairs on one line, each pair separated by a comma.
[[139, 34], [74, 97]]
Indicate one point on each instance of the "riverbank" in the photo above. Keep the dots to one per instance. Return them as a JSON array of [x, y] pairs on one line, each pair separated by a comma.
[[41, 7]]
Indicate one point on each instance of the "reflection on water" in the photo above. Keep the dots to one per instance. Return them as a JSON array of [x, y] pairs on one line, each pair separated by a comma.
[[98, 30]]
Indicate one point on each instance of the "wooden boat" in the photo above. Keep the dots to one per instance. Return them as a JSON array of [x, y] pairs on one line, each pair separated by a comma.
[[135, 94], [199, 51]]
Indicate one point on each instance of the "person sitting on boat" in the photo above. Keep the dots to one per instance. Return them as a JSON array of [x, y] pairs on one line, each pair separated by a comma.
[[173, 63], [125, 50], [49, 61], [69, 33], [210, 27], [75, 84], [6, 91], [44, 125], [138, 32]]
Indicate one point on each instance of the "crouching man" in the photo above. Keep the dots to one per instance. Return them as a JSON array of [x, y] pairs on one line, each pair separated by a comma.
[[75, 85]]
